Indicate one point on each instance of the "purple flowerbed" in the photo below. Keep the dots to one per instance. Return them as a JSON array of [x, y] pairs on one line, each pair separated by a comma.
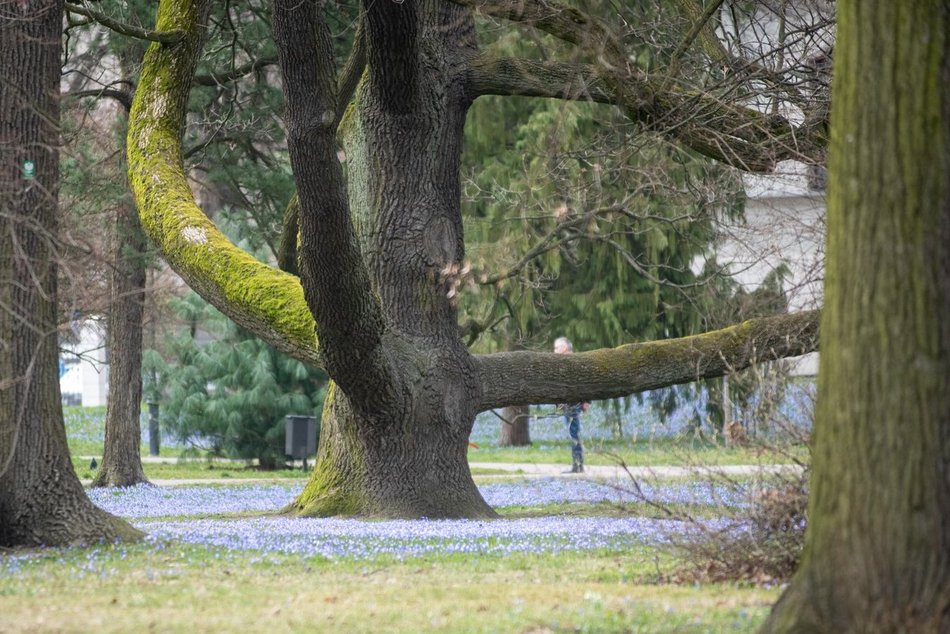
[[150, 501], [544, 491], [356, 539], [162, 513]]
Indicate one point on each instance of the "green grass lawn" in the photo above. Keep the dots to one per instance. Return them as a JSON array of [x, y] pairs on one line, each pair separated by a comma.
[[84, 433], [183, 588], [682, 452], [198, 469], [608, 454]]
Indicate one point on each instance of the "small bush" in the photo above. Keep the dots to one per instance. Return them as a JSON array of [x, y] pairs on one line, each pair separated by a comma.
[[763, 536]]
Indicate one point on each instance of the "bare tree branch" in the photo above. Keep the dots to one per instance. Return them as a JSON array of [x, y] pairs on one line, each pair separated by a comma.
[[711, 43], [122, 96], [217, 79], [165, 37], [739, 136], [706, 122], [563, 232], [561, 21]]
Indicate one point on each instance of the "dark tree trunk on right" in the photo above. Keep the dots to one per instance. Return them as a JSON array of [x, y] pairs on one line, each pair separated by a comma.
[[877, 552]]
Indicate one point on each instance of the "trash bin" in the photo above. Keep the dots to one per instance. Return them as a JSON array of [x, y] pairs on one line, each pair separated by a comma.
[[301, 433]]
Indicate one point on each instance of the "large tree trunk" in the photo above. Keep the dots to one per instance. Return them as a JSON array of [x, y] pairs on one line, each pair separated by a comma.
[[397, 424], [121, 457], [877, 554], [394, 466], [41, 500], [515, 430]]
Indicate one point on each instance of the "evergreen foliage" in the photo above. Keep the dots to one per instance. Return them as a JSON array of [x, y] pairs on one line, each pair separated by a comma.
[[628, 225], [622, 215], [226, 391]]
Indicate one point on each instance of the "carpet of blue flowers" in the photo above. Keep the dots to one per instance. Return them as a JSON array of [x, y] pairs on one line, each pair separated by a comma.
[[198, 515]]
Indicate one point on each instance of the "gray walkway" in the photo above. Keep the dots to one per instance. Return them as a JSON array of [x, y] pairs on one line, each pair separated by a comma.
[[616, 471], [527, 470]]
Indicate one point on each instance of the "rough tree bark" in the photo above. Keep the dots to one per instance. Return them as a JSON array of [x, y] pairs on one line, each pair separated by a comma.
[[379, 256], [41, 500], [408, 387], [877, 553]]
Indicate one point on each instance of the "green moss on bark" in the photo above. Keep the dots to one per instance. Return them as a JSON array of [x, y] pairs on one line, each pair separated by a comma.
[[614, 372], [335, 486], [877, 552], [256, 296]]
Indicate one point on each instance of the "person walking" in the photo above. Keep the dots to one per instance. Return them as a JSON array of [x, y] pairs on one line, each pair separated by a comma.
[[572, 414]]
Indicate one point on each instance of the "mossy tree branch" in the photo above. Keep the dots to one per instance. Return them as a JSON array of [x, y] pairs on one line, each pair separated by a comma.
[[260, 298], [537, 377], [561, 21], [513, 76], [742, 137]]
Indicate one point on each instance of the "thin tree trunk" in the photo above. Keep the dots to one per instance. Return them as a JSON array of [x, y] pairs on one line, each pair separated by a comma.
[[877, 553], [41, 500], [515, 430], [121, 458]]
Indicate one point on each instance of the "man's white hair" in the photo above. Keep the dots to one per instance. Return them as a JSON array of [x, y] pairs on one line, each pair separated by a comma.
[[564, 342]]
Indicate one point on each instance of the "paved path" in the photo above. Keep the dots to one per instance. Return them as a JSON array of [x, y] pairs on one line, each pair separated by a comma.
[[527, 470], [616, 471]]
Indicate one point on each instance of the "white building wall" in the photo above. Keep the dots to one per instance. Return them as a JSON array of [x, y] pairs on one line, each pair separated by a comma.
[[785, 211], [784, 225], [83, 366]]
